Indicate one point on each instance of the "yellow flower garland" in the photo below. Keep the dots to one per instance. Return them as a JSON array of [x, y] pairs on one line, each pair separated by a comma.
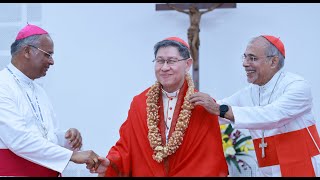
[[154, 136]]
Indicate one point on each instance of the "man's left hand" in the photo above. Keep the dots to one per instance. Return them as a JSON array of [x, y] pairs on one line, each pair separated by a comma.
[[74, 138]]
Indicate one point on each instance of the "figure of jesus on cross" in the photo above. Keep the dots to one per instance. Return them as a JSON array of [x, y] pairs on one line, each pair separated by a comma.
[[194, 29]]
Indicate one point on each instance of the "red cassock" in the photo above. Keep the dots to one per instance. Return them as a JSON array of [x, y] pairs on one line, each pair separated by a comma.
[[200, 153]]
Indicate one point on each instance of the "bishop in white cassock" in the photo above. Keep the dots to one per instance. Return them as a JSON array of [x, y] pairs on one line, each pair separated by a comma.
[[31, 143], [276, 108], [21, 130]]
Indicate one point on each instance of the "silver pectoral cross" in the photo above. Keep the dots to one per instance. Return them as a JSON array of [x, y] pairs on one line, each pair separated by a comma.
[[262, 145]]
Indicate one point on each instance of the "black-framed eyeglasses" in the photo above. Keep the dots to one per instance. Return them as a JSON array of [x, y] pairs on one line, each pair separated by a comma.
[[49, 55], [252, 58], [169, 61]]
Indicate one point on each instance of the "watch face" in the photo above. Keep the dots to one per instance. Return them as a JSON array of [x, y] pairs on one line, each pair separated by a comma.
[[224, 108]]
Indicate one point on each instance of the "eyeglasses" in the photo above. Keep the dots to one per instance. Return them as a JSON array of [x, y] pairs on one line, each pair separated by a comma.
[[252, 58], [169, 61], [48, 55]]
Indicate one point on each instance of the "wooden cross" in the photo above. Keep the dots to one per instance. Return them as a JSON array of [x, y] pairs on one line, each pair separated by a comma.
[[262, 145], [195, 11]]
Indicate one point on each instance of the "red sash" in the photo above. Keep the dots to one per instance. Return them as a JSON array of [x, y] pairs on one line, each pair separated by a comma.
[[13, 165], [292, 151]]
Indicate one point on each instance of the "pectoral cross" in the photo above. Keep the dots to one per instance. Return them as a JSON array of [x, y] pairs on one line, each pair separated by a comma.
[[167, 135], [262, 145]]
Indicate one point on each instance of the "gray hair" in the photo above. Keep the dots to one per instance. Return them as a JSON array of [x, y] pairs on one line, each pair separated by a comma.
[[272, 50], [183, 50], [18, 45]]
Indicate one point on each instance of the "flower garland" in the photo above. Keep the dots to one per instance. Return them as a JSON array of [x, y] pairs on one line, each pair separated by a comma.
[[154, 136]]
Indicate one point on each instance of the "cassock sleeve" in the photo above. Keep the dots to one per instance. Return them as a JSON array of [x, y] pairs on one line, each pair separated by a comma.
[[62, 141], [60, 134], [119, 154], [17, 137], [295, 99]]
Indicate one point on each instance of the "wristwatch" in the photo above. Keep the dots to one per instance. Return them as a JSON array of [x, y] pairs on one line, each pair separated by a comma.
[[223, 110]]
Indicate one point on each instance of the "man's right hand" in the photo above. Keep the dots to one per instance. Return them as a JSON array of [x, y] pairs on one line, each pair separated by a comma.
[[89, 157], [206, 101]]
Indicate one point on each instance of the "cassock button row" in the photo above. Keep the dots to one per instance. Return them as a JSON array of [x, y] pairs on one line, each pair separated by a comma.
[[170, 108], [169, 118], [171, 98]]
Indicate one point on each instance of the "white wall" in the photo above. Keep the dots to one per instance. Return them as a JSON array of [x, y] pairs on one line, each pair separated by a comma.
[[103, 55]]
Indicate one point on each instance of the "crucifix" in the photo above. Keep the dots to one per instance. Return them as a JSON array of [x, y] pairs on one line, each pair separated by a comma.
[[262, 145], [195, 11]]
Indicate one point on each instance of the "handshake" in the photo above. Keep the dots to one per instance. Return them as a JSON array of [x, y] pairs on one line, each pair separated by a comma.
[[95, 163]]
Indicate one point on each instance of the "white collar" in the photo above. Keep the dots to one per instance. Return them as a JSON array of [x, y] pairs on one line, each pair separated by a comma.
[[22, 77], [170, 95]]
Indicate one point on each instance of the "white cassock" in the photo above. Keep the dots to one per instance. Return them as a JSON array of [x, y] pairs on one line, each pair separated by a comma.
[[169, 104], [284, 105], [21, 131]]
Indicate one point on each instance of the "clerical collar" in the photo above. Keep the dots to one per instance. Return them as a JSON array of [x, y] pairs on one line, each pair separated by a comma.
[[22, 77], [272, 82], [170, 95]]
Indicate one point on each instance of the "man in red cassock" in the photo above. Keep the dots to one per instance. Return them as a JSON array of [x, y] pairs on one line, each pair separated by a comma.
[[164, 134]]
